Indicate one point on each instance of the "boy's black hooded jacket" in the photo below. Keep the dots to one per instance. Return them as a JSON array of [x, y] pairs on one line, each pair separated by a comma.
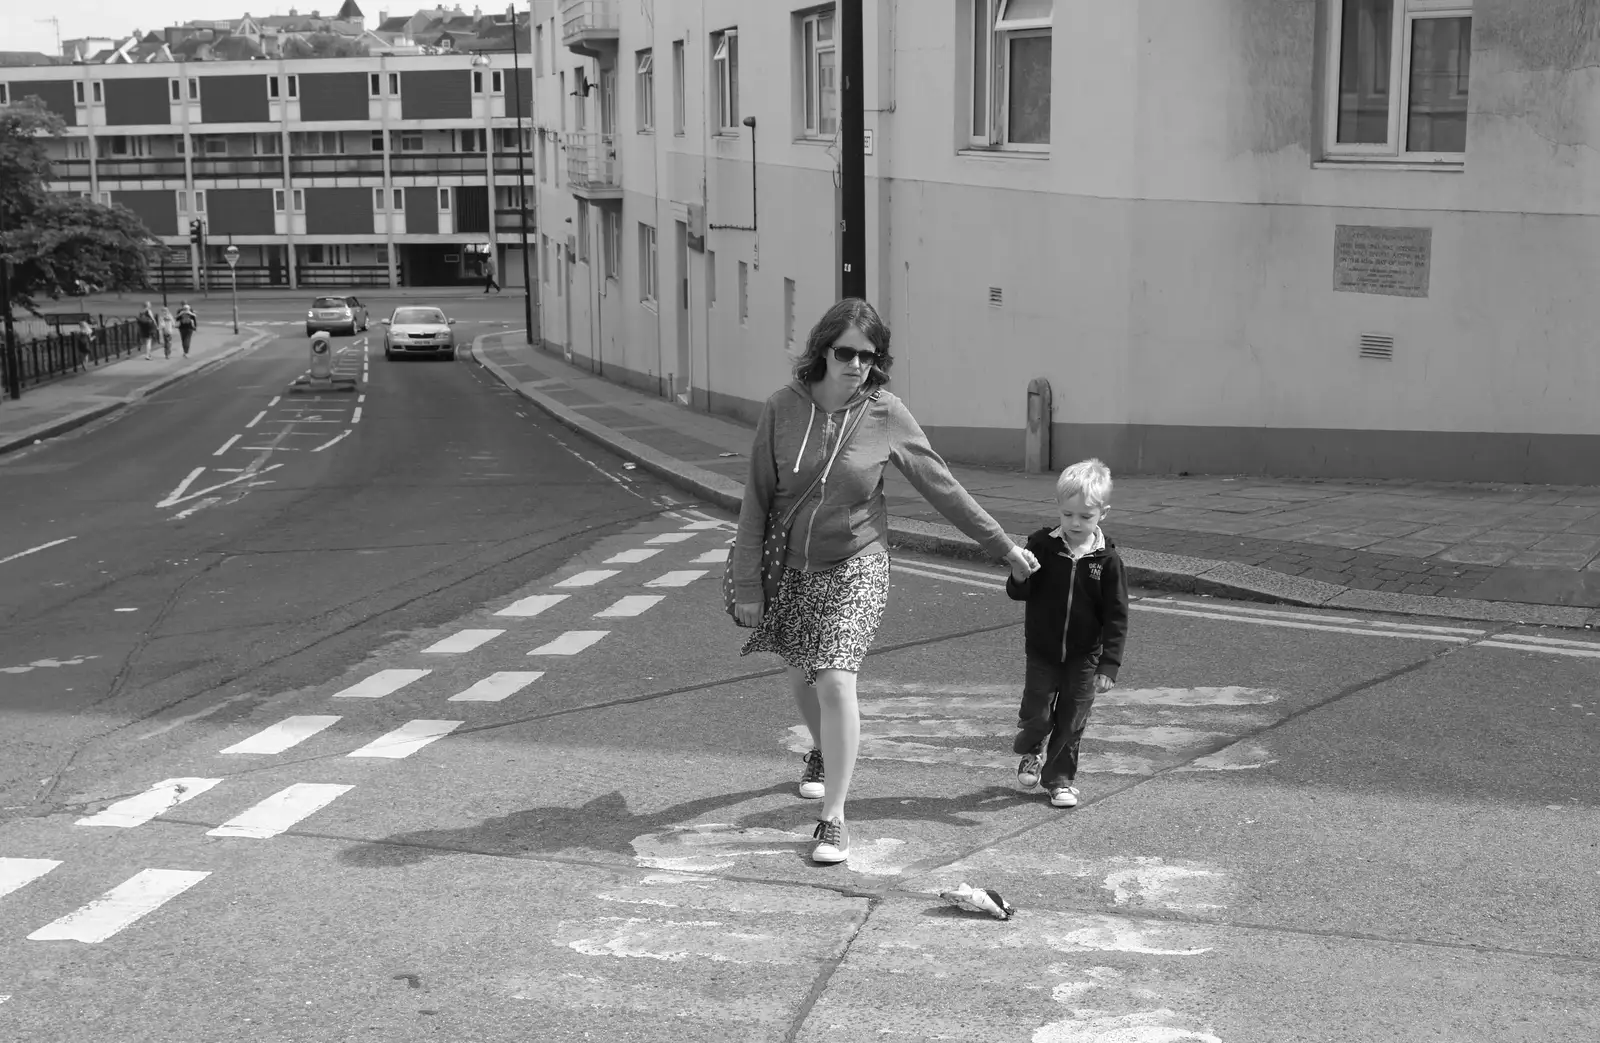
[[1074, 607]]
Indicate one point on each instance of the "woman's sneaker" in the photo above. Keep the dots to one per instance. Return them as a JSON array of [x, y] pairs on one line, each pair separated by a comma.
[[1028, 771], [1064, 796], [833, 841], [811, 780]]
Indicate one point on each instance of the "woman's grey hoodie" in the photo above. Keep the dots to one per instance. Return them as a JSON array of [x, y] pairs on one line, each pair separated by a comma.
[[845, 516]]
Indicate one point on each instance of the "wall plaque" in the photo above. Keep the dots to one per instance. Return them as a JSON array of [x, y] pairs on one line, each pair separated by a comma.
[[1376, 259]]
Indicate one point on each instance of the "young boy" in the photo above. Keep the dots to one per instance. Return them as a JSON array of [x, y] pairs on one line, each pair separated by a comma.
[[1076, 624]]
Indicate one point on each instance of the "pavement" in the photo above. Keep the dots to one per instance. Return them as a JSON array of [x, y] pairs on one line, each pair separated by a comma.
[[1491, 552]]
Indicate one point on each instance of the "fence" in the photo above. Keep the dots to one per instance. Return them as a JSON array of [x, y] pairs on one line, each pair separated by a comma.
[[59, 354]]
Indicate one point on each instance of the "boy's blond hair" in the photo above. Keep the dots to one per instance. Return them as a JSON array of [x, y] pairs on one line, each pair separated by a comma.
[[1089, 477]]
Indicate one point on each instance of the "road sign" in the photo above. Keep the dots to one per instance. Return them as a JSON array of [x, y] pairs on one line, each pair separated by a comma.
[[232, 254]]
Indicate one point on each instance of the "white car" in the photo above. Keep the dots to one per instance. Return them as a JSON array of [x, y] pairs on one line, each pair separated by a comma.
[[417, 330]]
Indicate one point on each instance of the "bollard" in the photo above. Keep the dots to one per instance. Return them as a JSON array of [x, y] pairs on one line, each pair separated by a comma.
[[1036, 442], [321, 377]]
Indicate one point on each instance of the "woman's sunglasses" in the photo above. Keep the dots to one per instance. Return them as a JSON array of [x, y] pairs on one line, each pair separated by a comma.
[[849, 355]]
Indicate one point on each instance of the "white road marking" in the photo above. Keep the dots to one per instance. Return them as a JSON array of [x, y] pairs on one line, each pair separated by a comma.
[[280, 811], [701, 526], [357, 418], [633, 605], [497, 686], [209, 501], [275, 400], [465, 641], [45, 664], [175, 495], [46, 546], [1290, 624], [671, 537], [713, 557], [1554, 641], [586, 579], [1313, 618], [380, 684], [157, 800], [406, 739], [361, 398], [257, 419], [676, 579], [571, 643], [532, 606], [227, 445], [631, 557], [1593, 653], [16, 873], [179, 722], [291, 731], [335, 441], [987, 584], [139, 896]]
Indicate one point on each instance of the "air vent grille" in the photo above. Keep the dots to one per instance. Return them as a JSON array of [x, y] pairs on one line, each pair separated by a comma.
[[1377, 346], [996, 296]]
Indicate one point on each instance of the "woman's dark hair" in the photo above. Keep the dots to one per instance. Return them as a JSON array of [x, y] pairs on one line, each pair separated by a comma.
[[812, 366]]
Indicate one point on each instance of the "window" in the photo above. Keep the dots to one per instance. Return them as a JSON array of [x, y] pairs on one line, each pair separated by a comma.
[[725, 79], [374, 85], [183, 201], [317, 143], [399, 199], [821, 75], [677, 88], [477, 82], [194, 90], [507, 139], [177, 89], [100, 97], [394, 84], [1399, 72], [105, 198], [497, 82], [711, 278], [377, 141], [444, 199], [411, 141], [788, 312], [269, 145], [272, 86], [294, 86], [277, 200], [562, 108], [645, 92], [199, 201], [216, 146], [471, 140], [1011, 74], [744, 293], [580, 100], [608, 101], [378, 200], [544, 257], [583, 230], [647, 263], [77, 90], [538, 50], [298, 198], [610, 240], [544, 159]]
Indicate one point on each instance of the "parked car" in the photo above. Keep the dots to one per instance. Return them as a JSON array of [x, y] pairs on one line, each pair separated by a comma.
[[336, 315], [415, 329]]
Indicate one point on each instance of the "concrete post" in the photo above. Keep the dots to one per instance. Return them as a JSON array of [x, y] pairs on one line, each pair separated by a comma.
[[1041, 413]]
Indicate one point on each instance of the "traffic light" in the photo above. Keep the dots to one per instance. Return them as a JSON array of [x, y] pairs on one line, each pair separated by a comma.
[[197, 232]]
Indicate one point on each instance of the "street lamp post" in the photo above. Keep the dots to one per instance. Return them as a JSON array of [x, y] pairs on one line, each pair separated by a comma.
[[530, 286], [852, 160], [232, 254]]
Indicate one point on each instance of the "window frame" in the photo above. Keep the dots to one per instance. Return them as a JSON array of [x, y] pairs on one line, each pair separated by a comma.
[[744, 293], [199, 201], [1393, 151], [444, 199], [297, 200], [477, 81], [725, 79], [812, 46], [497, 82], [97, 92], [175, 95], [399, 200], [379, 199], [711, 278], [194, 88], [649, 285], [375, 85], [1001, 33], [272, 87], [644, 91], [679, 60], [611, 242], [394, 85], [292, 83]]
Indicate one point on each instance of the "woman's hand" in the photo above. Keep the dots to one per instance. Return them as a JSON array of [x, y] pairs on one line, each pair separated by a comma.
[[1023, 563], [748, 613]]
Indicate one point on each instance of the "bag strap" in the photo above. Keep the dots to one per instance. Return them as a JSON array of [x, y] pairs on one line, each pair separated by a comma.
[[849, 432]]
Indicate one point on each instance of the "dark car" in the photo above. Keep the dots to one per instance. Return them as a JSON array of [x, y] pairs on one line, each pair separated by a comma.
[[336, 315]]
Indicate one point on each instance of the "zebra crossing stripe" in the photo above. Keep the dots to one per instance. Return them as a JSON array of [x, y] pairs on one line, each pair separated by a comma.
[[631, 557], [701, 526], [571, 643], [465, 641], [632, 605], [586, 579], [280, 811], [380, 684], [677, 579], [17, 873], [406, 739], [139, 896], [671, 537], [497, 686], [142, 807], [532, 606], [713, 557], [288, 732]]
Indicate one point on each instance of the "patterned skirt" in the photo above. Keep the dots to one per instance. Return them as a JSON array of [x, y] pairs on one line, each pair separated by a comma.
[[825, 620]]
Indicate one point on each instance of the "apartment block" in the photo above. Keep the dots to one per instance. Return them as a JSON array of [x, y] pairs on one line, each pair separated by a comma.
[[350, 172], [1336, 237]]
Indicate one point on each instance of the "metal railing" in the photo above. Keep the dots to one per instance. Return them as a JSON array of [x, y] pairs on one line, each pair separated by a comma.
[[578, 17], [260, 166], [304, 166], [339, 275], [66, 352], [592, 161], [439, 163], [69, 169], [125, 169]]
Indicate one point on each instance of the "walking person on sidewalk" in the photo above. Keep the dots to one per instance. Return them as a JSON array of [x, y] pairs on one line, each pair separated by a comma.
[[147, 328], [187, 322], [489, 273], [1075, 629], [823, 443], [167, 326]]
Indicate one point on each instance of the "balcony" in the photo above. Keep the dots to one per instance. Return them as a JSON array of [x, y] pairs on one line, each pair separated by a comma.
[[508, 219], [587, 25], [439, 163], [324, 166], [592, 168], [69, 170], [507, 163], [138, 169], [217, 167]]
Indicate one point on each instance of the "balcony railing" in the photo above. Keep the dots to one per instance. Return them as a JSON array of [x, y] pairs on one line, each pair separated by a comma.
[[439, 163], [129, 169], [312, 166], [509, 219], [69, 169], [592, 163], [218, 166], [506, 163], [584, 22]]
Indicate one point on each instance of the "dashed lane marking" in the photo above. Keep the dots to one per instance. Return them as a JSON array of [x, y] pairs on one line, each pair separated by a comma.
[[713, 557], [281, 811], [571, 643], [132, 900], [341, 436], [406, 739], [676, 579], [585, 579], [632, 605], [465, 641], [142, 807], [631, 557], [497, 686], [42, 546], [291, 731], [380, 684], [532, 606], [17, 873], [257, 419], [227, 445], [670, 537]]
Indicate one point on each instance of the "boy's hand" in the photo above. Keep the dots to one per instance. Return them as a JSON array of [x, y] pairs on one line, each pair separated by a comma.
[[1023, 563], [1103, 684]]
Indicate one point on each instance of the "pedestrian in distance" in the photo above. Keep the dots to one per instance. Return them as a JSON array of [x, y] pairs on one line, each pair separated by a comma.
[[147, 328], [489, 273], [1075, 626], [820, 450], [187, 322], [86, 339], [167, 326]]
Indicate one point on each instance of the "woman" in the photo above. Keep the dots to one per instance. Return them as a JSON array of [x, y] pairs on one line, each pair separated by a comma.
[[167, 326], [836, 571], [187, 321], [147, 329]]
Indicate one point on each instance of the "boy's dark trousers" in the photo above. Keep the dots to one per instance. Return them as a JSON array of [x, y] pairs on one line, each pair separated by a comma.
[[1056, 700]]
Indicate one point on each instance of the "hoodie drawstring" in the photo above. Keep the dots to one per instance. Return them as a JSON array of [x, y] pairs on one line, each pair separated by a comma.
[[809, 421]]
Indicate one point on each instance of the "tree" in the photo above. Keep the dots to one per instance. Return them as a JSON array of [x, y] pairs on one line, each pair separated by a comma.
[[323, 45], [53, 240]]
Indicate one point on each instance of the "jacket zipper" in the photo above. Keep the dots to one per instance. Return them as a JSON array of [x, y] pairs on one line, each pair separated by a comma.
[[1072, 588], [822, 490]]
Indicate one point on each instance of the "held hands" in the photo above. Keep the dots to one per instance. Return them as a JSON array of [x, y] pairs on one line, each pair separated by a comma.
[[748, 613], [1103, 684], [1023, 563]]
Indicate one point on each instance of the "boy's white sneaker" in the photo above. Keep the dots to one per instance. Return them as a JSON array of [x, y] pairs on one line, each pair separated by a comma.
[[1064, 796], [1028, 771]]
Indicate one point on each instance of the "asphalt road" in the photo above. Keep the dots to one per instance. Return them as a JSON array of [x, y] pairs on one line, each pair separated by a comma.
[[543, 797]]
